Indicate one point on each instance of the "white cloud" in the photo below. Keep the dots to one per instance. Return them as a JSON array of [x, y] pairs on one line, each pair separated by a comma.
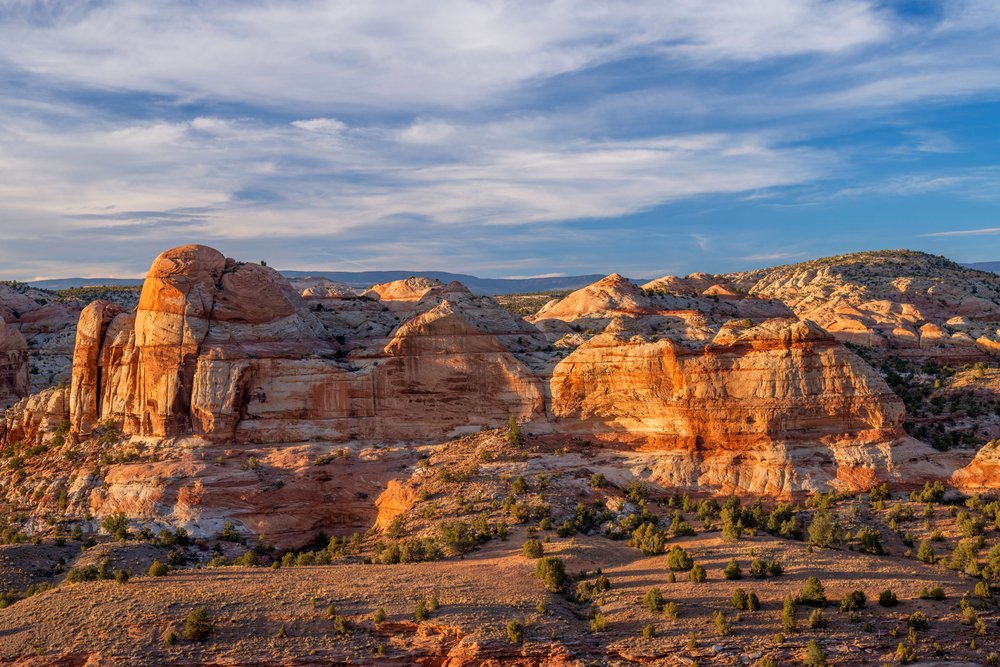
[[985, 231], [427, 132], [449, 52], [331, 125]]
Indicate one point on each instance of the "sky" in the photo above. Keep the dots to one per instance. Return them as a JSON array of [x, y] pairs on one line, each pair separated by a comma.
[[499, 138]]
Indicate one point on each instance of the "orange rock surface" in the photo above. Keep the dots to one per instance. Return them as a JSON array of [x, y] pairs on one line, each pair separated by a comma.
[[721, 385]]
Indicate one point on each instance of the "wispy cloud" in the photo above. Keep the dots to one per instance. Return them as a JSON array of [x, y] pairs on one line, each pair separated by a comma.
[[773, 256], [985, 231]]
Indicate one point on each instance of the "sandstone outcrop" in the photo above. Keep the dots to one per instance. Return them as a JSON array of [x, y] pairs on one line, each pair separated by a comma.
[[47, 326], [745, 412], [228, 350], [981, 475], [714, 379], [914, 304], [13, 365], [34, 419]]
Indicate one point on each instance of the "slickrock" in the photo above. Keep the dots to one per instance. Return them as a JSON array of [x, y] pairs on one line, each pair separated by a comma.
[[34, 419], [13, 365], [776, 408], [885, 299], [983, 473], [48, 327]]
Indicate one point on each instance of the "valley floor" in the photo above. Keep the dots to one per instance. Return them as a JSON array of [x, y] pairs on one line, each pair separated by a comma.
[[107, 623]]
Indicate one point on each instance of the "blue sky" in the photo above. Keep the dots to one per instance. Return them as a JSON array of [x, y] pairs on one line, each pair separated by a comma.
[[514, 138]]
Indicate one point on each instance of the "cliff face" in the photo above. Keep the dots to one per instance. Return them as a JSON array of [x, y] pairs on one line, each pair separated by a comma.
[[772, 408], [230, 351], [13, 365]]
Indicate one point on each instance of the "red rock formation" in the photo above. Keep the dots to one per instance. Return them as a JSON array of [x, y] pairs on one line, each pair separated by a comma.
[[717, 391], [739, 413], [982, 474], [229, 350], [33, 419], [610, 296], [47, 328], [90, 333], [13, 365]]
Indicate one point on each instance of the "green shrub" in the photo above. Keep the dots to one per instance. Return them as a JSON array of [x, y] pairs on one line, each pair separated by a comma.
[[197, 625], [532, 549], [817, 620], [905, 653], [918, 621], [933, 593], [933, 492], [753, 602], [887, 598], [722, 626], [740, 599], [422, 613], [552, 572], [341, 626], [83, 573], [732, 570], [648, 539], [853, 601], [679, 560], [788, 614], [698, 574], [116, 525], [653, 600], [379, 615], [514, 435], [456, 537], [815, 657], [229, 532], [824, 531], [870, 541], [649, 631], [515, 632], [672, 610], [158, 569], [812, 593]]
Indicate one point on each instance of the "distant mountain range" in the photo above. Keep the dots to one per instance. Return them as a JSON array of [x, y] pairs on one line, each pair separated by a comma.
[[985, 266], [365, 279]]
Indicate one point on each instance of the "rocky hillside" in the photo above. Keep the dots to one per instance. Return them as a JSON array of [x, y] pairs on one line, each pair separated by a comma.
[[915, 304]]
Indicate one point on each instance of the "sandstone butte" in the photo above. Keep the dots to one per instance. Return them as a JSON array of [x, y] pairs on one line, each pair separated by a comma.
[[727, 384]]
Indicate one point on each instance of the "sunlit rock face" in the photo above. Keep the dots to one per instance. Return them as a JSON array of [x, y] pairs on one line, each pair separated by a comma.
[[739, 392], [775, 408], [228, 350], [717, 390]]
